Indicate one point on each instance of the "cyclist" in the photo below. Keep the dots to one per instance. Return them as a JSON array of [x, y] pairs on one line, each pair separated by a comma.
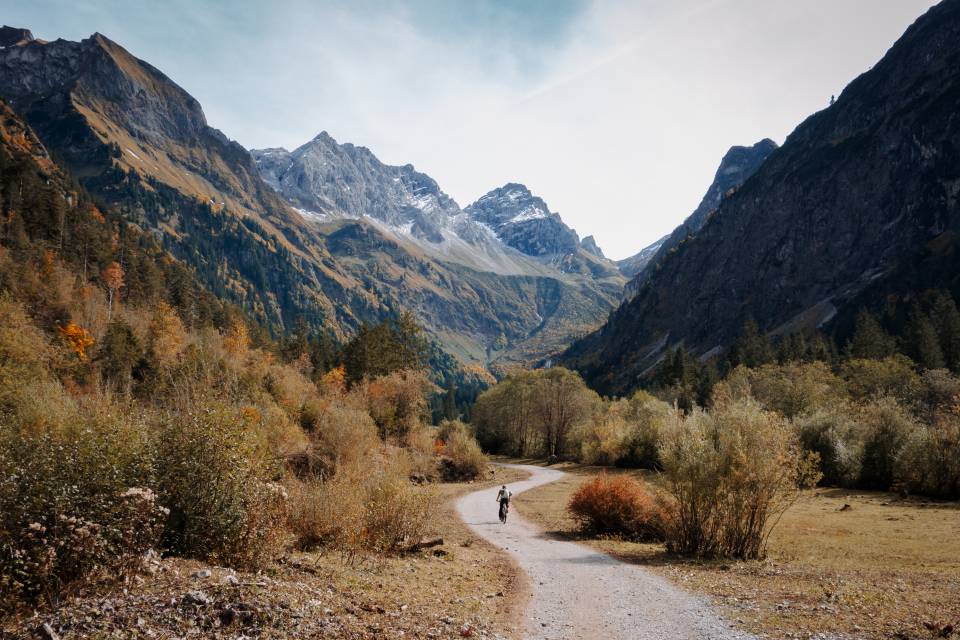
[[503, 498]]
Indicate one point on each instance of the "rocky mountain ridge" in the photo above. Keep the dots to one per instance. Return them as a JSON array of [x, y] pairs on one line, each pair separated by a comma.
[[338, 186]]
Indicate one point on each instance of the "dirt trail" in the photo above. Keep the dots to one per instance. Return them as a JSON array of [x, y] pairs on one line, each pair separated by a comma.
[[582, 593]]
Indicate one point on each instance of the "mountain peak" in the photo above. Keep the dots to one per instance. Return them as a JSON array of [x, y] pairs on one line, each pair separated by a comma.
[[739, 161], [12, 36], [589, 244], [524, 221]]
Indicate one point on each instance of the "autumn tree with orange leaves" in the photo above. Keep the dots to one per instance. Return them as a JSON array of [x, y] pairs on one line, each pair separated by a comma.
[[112, 277], [167, 335], [77, 338]]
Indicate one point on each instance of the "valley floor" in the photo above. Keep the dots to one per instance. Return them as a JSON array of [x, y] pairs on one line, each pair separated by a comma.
[[431, 594], [841, 564]]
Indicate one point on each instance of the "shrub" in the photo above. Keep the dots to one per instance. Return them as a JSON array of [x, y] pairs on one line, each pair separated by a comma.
[[343, 439], [420, 452], [26, 358], [290, 389], [216, 484], [605, 439], [465, 458], [74, 506], [381, 512], [617, 505], [891, 377], [794, 388], [941, 391], [929, 462], [312, 512], [886, 428], [397, 402], [395, 513], [835, 437], [730, 474], [647, 417]]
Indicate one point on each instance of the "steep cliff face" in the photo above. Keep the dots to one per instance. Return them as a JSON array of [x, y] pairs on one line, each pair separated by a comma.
[[100, 107], [524, 222], [853, 200], [330, 179], [738, 164], [636, 263], [589, 244]]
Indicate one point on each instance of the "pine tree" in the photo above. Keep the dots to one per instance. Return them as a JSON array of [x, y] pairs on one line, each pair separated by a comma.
[[450, 403], [869, 339], [752, 348], [707, 378], [119, 353], [946, 320], [822, 348], [793, 347], [921, 342]]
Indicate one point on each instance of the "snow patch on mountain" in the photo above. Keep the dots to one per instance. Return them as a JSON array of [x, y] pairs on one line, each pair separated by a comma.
[[533, 212]]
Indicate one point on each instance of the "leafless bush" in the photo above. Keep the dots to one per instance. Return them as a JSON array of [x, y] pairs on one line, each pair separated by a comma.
[[380, 512], [465, 459], [730, 474], [929, 463], [834, 435]]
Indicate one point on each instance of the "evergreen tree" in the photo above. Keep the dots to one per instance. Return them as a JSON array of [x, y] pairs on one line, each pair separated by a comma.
[[381, 349], [921, 342], [946, 320], [793, 348], [752, 348], [450, 411], [822, 348], [707, 378], [118, 354], [869, 339]]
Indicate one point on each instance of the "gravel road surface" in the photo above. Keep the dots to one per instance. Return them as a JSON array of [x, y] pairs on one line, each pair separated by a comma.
[[582, 593]]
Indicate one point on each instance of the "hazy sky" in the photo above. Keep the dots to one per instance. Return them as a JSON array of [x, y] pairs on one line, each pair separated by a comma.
[[615, 112]]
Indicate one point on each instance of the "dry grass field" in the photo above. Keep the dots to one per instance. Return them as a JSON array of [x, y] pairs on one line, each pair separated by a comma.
[[841, 564]]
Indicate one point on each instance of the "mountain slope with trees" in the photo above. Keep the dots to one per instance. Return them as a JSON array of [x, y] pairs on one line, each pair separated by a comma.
[[142, 144], [858, 208]]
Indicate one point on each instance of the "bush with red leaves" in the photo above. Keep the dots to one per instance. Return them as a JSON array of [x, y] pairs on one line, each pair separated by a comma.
[[618, 505]]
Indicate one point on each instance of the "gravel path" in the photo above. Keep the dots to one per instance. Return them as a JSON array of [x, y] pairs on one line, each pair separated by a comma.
[[582, 593]]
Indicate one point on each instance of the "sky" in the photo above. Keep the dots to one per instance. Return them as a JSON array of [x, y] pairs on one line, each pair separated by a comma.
[[615, 112]]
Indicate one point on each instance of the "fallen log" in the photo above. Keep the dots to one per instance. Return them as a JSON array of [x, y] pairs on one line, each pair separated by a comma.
[[427, 543]]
